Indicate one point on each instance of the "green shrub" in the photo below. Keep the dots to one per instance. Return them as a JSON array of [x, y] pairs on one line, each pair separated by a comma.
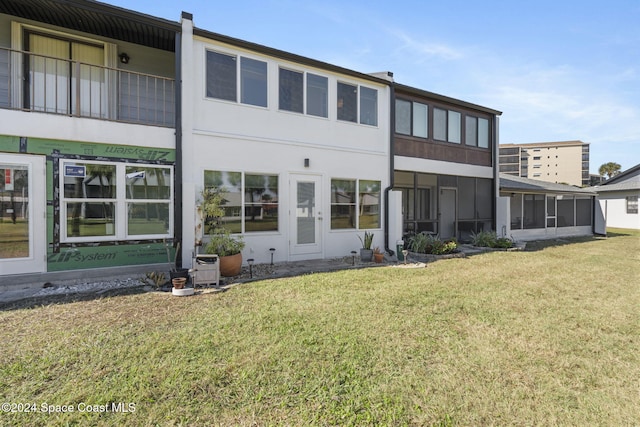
[[428, 244], [489, 239]]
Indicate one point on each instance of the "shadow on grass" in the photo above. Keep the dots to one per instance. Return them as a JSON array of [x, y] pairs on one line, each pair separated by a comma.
[[39, 301], [538, 245]]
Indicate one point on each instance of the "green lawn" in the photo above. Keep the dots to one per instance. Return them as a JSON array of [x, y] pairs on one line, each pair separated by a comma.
[[544, 337]]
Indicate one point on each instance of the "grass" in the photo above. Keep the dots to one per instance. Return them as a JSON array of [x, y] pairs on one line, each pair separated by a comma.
[[543, 337]]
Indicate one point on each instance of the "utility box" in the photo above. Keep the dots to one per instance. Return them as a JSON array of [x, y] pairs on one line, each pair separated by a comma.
[[399, 248], [206, 270]]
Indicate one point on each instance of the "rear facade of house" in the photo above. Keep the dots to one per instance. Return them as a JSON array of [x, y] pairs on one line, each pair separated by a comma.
[[113, 122]]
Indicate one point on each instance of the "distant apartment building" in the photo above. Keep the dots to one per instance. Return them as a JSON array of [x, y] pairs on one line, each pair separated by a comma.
[[565, 162]]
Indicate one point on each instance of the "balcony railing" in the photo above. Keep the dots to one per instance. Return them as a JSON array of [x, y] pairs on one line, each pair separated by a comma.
[[46, 84]]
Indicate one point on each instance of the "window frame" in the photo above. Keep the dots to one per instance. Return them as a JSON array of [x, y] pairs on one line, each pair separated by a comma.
[[244, 204], [412, 131], [359, 96], [121, 203], [449, 126], [357, 205], [242, 93]]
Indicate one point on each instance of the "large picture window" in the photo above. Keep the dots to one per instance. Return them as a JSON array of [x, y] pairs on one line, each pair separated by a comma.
[[355, 204], [251, 200], [109, 201]]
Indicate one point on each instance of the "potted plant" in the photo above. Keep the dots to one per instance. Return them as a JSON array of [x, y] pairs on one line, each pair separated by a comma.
[[366, 254], [378, 255], [221, 242], [174, 271]]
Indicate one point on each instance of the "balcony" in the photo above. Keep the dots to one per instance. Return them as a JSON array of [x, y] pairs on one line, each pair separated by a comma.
[[46, 84]]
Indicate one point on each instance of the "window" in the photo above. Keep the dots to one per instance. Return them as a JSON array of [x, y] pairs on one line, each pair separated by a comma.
[[345, 202], [537, 157], [446, 125], [483, 133], [348, 104], [221, 76], [290, 90], [317, 95], [222, 80], [403, 117], [368, 106], [471, 134], [411, 118], [477, 132], [439, 124], [369, 204], [291, 93], [251, 200], [420, 122], [148, 196], [253, 88], [261, 203], [454, 127], [109, 201], [632, 204]]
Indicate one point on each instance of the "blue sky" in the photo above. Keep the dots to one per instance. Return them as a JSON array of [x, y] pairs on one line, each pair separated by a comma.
[[558, 70]]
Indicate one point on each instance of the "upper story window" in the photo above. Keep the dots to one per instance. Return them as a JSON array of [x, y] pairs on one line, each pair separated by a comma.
[[446, 125], [476, 132], [222, 79], [348, 104], [292, 94], [412, 118], [317, 95]]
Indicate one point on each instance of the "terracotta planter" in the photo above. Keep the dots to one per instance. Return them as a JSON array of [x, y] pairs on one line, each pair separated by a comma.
[[230, 265], [378, 258], [179, 282]]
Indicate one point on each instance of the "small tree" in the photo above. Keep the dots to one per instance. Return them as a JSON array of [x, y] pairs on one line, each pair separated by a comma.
[[610, 169]]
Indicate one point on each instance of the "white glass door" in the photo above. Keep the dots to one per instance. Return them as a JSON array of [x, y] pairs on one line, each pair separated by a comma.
[[305, 217], [22, 214]]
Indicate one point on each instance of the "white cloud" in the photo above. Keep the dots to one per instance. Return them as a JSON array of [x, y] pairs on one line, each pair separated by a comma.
[[423, 50]]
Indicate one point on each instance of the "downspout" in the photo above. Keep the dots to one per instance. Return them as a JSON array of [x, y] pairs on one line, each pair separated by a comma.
[[392, 127], [177, 178], [496, 169]]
